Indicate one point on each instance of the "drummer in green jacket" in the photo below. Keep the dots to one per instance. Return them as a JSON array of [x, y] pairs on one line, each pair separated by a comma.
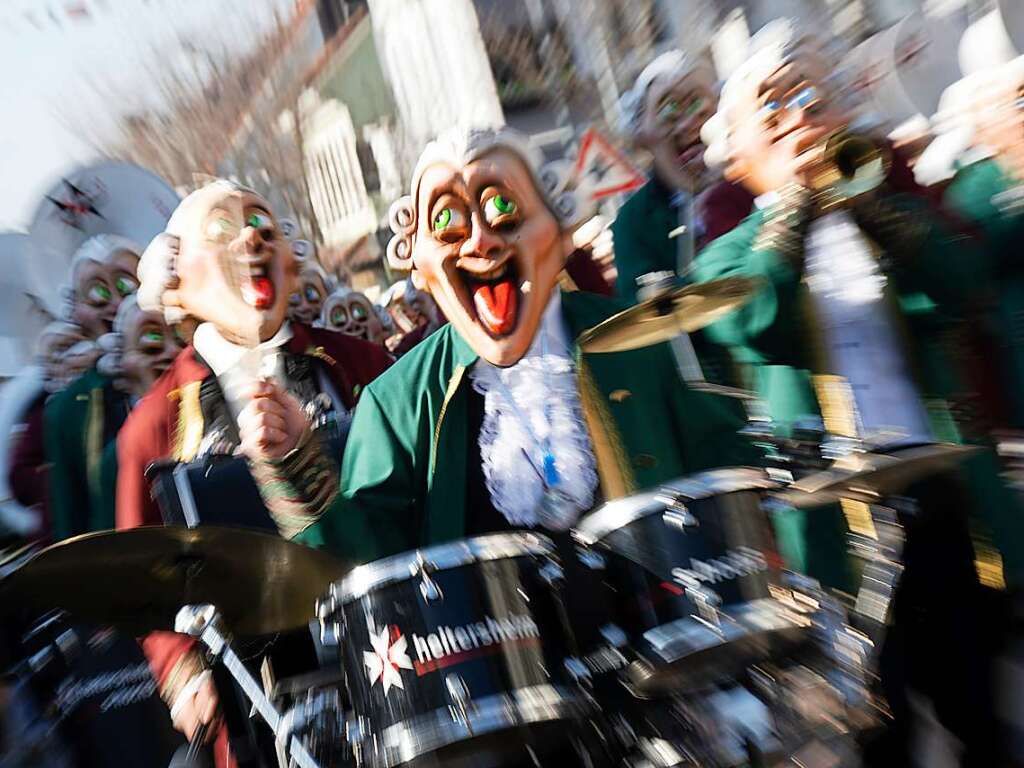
[[499, 420]]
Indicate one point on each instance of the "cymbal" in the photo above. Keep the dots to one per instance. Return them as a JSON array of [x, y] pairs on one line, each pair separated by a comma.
[[869, 476], [669, 314], [137, 580]]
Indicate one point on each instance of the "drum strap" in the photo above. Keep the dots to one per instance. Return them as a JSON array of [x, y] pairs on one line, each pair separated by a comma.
[[613, 468]]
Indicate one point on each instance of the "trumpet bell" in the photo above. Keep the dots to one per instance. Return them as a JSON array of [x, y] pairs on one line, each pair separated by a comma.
[[854, 165]]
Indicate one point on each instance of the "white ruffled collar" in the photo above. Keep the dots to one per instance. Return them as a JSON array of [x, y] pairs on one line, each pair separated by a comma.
[[223, 355], [543, 387]]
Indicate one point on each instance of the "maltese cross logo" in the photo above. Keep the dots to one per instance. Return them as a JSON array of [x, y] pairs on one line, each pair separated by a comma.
[[387, 657]]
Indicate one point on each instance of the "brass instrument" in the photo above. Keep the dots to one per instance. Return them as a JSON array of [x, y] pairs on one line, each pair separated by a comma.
[[853, 165]]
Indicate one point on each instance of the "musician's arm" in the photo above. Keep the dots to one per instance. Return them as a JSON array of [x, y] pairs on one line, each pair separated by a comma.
[[374, 514], [767, 326]]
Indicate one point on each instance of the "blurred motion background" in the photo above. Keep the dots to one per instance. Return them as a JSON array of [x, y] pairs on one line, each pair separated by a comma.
[[324, 104]]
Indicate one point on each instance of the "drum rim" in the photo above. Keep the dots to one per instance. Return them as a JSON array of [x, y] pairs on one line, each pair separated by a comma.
[[440, 557], [403, 741], [618, 513]]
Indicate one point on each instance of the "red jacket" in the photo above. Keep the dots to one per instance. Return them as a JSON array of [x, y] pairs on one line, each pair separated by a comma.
[[149, 435]]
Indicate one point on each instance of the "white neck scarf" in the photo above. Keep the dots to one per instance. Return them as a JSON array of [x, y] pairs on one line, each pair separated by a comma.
[[543, 387], [237, 367]]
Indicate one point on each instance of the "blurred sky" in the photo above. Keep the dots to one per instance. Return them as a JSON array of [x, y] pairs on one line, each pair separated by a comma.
[[87, 58]]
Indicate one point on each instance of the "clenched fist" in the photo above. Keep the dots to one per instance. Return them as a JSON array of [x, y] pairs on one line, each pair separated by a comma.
[[272, 423], [198, 704]]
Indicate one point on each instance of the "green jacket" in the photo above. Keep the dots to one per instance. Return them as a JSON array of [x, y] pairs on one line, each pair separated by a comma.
[[774, 336], [405, 465], [982, 194], [640, 233], [79, 423]]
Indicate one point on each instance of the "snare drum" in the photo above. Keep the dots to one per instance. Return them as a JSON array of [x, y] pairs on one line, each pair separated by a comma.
[[456, 653], [689, 572]]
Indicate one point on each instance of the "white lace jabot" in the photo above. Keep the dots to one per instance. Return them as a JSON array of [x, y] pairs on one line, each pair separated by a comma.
[[543, 385]]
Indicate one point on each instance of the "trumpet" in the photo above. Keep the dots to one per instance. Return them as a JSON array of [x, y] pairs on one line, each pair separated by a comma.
[[853, 165]]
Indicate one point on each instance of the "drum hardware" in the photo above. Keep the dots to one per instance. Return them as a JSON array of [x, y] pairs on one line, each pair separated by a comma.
[[552, 574], [428, 588], [203, 622], [677, 515]]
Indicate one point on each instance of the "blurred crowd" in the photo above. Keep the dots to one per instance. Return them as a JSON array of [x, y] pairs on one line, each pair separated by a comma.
[[888, 307]]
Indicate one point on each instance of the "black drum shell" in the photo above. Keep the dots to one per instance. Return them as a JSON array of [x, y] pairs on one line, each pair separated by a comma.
[[512, 599], [647, 565]]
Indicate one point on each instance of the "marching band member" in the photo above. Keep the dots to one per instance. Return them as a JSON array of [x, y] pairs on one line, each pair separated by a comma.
[[671, 100], [84, 417], [351, 313], [832, 308], [307, 301], [27, 470], [136, 352], [987, 192], [415, 315], [250, 382], [497, 420]]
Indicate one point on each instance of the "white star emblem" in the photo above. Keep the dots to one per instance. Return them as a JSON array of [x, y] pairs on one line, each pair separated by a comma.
[[386, 659]]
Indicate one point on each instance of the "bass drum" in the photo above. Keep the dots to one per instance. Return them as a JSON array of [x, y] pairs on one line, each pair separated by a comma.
[[693, 580], [456, 655]]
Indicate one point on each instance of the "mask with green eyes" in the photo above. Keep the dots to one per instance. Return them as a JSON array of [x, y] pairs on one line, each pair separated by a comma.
[[99, 287], [148, 347], [670, 126]]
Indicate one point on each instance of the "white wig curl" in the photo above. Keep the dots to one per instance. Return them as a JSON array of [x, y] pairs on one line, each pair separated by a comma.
[[567, 200]]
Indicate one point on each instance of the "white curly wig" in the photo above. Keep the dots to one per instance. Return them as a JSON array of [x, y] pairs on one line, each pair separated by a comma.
[[565, 196], [674, 64], [97, 249], [776, 43]]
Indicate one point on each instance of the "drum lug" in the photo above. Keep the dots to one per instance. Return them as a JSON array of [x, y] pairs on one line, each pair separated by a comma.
[[330, 633], [677, 515], [458, 692], [578, 671], [591, 559], [552, 573], [326, 607], [428, 587]]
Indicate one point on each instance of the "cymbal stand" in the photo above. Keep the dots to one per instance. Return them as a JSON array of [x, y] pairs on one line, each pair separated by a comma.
[[204, 623]]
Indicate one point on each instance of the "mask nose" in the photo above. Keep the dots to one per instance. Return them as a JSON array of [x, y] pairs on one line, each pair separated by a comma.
[[482, 242]]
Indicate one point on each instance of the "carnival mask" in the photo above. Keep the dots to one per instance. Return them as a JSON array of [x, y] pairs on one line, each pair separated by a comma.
[[675, 108], [779, 126], [148, 347], [99, 286], [306, 303], [488, 250], [351, 313], [234, 268]]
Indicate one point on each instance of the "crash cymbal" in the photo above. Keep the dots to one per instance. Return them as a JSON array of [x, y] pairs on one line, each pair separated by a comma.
[[669, 314], [868, 477], [137, 580]]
